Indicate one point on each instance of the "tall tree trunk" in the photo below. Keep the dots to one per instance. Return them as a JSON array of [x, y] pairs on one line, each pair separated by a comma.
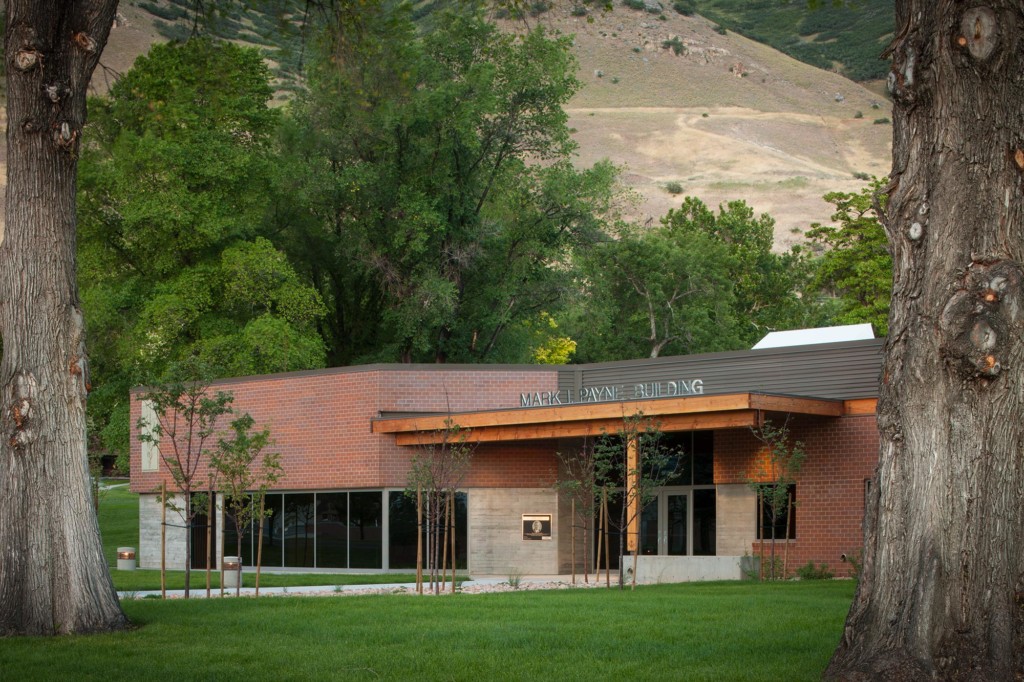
[[53, 577], [942, 590]]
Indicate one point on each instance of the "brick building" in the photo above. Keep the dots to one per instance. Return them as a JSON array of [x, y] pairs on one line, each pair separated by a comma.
[[347, 437]]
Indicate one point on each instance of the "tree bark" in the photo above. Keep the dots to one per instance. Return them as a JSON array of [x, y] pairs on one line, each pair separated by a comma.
[[942, 589], [53, 576]]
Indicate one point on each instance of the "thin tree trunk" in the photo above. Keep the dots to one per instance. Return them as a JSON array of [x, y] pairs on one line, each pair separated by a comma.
[[942, 582], [444, 543], [54, 578], [760, 535], [163, 541], [789, 533], [600, 537]]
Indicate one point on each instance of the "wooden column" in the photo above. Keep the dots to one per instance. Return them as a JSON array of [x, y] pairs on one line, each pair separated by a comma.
[[632, 499]]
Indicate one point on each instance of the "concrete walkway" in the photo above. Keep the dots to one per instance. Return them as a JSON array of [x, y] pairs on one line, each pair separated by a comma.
[[477, 585]]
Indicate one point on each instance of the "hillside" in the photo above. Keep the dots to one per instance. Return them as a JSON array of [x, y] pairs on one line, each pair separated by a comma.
[[725, 118]]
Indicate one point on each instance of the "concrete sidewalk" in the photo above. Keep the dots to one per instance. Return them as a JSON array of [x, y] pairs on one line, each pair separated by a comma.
[[527, 582]]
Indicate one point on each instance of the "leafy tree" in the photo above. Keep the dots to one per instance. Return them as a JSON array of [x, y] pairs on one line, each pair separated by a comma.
[[436, 473], [941, 583], [437, 169], [698, 282], [245, 471], [186, 420], [53, 576], [783, 458], [854, 264], [175, 171]]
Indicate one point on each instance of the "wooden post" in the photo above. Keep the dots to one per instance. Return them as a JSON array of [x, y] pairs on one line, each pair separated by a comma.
[[259, 543], [419, 540], [453, 540], [163, 541], [444, 545], [632, 500], [209, 534], [607, 550]]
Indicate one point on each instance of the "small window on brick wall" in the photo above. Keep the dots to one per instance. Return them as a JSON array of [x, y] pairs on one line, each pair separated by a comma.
[[774, 523], [150, 448]]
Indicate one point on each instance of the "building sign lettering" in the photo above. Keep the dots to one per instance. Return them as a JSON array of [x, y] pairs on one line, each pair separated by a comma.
[[611, 393]]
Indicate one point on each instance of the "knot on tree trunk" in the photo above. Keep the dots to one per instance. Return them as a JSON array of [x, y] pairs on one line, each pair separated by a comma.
[[20, 411], [982, 317]]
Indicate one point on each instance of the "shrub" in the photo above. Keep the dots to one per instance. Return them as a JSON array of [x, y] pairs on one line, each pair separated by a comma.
[[859, 114], [685, 7], [635, 4], [860, 175], [662, 17], [876, 105], [579, 11], [673, 187], [720, 30], [675, 44], [810, 572], [881, 121], [538, 7], [638, 49], [615, 79]]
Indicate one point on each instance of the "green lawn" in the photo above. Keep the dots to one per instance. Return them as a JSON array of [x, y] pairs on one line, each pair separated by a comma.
[[719, 631]]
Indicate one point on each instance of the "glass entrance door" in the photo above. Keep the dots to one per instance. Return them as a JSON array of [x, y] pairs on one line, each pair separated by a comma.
[[676, 515]]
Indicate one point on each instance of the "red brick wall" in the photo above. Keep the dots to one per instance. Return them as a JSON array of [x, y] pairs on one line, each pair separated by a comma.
[[840, 455], [320, 423]]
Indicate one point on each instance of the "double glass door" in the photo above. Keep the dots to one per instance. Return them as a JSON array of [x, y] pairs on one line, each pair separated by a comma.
[[679, 522]]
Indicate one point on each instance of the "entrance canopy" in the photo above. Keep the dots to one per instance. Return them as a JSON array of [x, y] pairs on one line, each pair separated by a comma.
[[736, 410]]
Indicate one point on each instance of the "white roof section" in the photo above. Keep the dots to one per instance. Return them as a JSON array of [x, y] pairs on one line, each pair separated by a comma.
[[807, 337]]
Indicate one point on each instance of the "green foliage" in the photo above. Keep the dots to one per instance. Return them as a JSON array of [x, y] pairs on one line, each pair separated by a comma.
[[673, 187], [579, 11], [675, 44], [244, 472], [698, 282], [635, 4], [811, 572], [854, 265], [685, 7], [783, 458], [173, 189], [850, 34], [881, 121], [437, 168]]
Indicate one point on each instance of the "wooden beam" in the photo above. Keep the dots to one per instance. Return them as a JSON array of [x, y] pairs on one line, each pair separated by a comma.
[[617, 410], [632, 497], [793, 405], [597, 427], [862, 406]]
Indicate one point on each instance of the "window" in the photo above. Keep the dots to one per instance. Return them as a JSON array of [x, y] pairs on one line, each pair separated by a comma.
[[774, 522], [147, 427]]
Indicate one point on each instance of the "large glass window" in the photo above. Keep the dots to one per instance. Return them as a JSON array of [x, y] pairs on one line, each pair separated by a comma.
[[332, 530], [365, 530], [299, 530], [402, 531]]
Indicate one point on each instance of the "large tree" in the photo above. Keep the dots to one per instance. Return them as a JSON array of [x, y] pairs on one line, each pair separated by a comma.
[[942, 590], [53, 577]]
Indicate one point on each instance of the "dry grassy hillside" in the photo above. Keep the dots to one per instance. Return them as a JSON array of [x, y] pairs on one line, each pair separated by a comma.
[[727, 118]]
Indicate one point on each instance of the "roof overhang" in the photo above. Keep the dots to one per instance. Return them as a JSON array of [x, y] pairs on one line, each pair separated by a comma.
[[737, 410]]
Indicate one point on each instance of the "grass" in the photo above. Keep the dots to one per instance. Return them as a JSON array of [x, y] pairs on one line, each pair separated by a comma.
[[717, 631]]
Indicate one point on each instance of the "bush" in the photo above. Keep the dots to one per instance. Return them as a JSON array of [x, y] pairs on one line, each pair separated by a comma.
[[675, 44], [685, 7], [859, 114], [860, 175], [720, 30], [635, 4], [538, 7], [809, 572], [579, 11], [881, 121], [638, 49], [673, 187]]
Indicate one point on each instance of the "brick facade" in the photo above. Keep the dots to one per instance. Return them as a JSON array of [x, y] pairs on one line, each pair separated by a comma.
[[841, 455]]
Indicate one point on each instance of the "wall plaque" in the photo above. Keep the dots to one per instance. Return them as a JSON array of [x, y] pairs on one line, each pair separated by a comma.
[[536, 526]]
